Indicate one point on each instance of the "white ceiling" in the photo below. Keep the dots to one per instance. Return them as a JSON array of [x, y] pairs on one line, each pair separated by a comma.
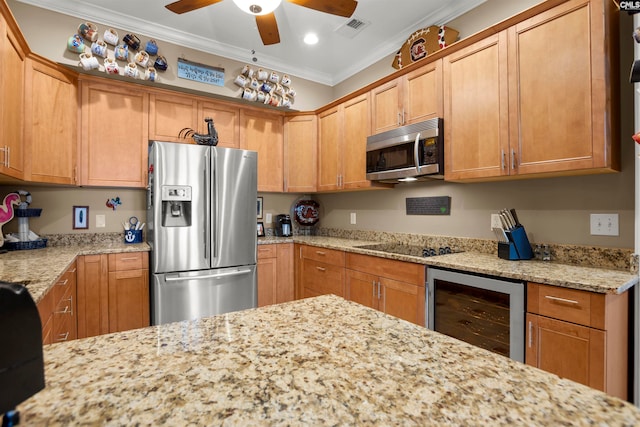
[[224, 30]]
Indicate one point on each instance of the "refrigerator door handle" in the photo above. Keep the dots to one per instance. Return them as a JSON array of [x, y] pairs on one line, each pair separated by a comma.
[[207, 276], [207, 223]]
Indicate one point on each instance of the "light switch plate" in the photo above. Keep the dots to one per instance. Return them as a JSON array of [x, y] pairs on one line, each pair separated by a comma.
[[353, 218], [604, 225], [101, 221], [268, 218]]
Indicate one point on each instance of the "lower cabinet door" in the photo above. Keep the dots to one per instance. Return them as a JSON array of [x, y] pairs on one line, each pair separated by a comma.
[[402, 300], [567, 350], [128, 300], [362, 288]]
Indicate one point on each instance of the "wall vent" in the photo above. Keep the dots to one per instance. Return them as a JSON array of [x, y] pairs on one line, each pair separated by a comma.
[[352, 27]]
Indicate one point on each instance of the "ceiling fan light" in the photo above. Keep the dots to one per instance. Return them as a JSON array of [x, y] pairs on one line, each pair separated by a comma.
[[257, 7], [311, 38]]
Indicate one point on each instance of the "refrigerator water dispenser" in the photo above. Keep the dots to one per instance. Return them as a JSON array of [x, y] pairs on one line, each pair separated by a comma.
[[176, 206]]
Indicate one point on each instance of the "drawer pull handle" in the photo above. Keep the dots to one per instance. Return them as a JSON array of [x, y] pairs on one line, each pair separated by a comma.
[[72, 271], [567, 301], [68, 309], [129, 259], [321, 268], [63, 337], [530, 334], [321, 253], [63, 282]]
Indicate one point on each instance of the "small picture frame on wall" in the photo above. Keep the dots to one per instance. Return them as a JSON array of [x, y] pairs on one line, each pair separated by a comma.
[[259, 211], [80, 217], [260, 229]]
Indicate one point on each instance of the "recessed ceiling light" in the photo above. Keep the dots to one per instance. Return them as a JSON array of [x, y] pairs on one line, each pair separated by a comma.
[[311, 38]]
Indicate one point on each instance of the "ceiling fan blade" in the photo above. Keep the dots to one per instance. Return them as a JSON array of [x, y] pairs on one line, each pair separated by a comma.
[[268, 28], [182, 6], [334, 7]]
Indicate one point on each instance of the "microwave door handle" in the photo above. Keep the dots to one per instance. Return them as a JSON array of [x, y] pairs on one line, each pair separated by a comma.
[[415, 152]]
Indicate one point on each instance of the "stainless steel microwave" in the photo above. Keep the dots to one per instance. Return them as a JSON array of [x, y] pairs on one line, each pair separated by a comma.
[[408, 153]]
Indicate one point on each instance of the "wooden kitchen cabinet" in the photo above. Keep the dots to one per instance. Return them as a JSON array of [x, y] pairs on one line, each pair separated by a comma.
[[13, 51], [128, 291], [516, 107], [170, 113], [263, 132], [93, 295], [342, 146], [114, 134], [393, 287], [275, 274], [582, 71], [58, 310], [226, 119], [579, 335], [319, 271], [300, 154], [50, 128], [476, 116], [411, 98]]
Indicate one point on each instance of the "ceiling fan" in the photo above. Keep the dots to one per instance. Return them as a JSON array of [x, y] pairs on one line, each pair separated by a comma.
[[263, 11]]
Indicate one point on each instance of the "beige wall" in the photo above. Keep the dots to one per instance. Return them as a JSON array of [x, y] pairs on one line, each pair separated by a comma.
[[553, 210]]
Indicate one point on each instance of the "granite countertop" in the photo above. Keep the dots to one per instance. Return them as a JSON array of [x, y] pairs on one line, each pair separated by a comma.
[[317, 361], [591, 279], [39, 269]]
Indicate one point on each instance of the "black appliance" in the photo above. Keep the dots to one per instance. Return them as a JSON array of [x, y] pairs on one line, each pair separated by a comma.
[[283, 225], [21, 362]]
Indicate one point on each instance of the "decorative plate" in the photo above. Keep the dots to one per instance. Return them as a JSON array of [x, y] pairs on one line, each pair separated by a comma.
[[306, 212]]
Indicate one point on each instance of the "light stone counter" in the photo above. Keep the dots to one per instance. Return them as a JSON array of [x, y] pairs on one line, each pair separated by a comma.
[[318, 361], [39, 269], [598, 280]]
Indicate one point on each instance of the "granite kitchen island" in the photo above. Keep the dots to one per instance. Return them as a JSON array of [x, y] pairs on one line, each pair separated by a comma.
[[319, 361]]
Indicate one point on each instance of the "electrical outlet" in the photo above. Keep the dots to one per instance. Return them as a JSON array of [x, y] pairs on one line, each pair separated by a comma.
[[268, 218], [101, 221], [353, 218], [604, 225], [495, 221]]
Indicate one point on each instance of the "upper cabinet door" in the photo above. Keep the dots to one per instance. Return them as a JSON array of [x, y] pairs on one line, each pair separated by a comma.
[[12, 66], [476, 119], [562, 89], [423, 93], [113, 135], [356, 124], [262, 132], [226, 119], [300, 154], [50, 133], [386, 108], [330, 136], [169, 114]]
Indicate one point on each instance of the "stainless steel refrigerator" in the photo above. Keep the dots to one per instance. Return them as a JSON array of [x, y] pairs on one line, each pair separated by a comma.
[[201, 213]]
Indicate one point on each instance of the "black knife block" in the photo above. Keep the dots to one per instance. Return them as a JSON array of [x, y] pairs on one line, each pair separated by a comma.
[[518, 247]]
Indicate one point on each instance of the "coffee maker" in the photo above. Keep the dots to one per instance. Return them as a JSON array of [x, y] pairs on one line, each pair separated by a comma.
[[283, 225]]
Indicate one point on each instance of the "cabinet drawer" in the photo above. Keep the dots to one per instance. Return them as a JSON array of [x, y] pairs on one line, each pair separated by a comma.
[[267, 251], [64, 283], [127, 261], [64, 319], [571, 305], [322, 278], [388, 268], [329, 256]]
